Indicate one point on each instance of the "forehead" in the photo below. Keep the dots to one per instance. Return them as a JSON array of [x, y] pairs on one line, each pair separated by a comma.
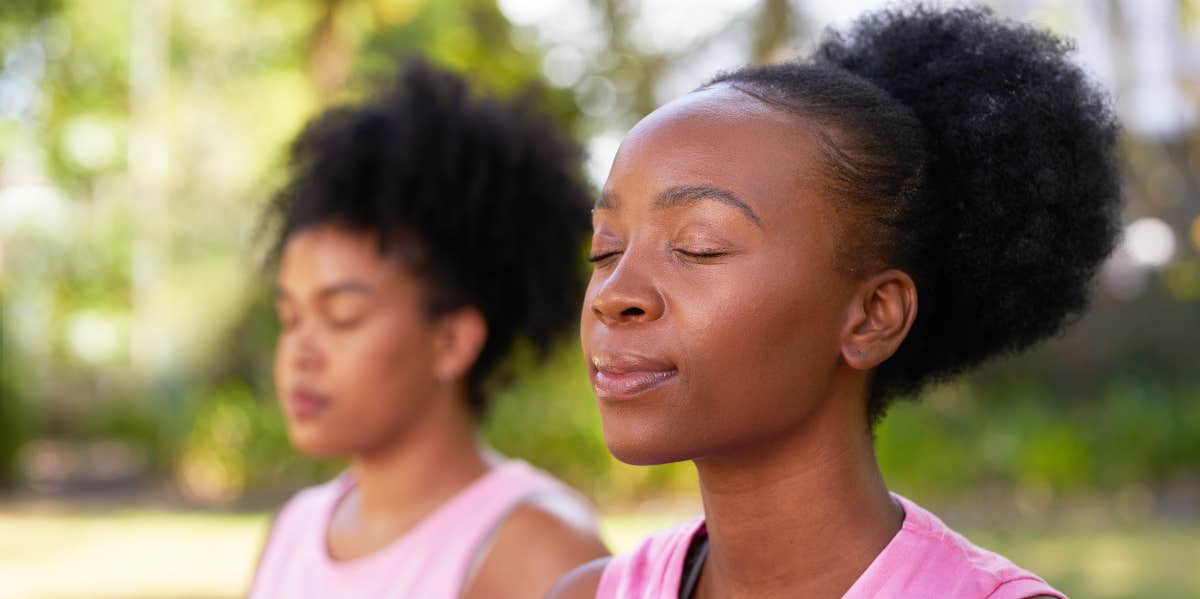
[[722, 137], [329, 254], [329, 245]]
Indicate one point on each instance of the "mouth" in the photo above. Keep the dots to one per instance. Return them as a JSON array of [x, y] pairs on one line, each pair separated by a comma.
[[626, 377], [304, 404]]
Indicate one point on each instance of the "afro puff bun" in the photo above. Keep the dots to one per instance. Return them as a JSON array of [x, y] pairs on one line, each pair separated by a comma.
[[983, 160]]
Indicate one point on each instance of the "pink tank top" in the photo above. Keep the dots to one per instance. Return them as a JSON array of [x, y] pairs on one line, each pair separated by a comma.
[[431, 561], [924, 559]]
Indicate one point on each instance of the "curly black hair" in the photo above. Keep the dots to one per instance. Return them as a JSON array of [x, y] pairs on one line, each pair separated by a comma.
[[481, 198], [968, 151]]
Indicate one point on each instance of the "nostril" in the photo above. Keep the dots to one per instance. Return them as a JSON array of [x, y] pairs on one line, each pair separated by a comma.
[[632, 312]]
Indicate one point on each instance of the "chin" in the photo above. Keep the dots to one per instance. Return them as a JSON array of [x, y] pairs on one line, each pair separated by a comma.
[[642, 456], [645, 446], [315, 445]]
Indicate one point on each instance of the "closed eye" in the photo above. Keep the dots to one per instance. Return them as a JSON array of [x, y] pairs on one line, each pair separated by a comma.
[[693, 254], [701, 254], [345, 324], [600, 257]]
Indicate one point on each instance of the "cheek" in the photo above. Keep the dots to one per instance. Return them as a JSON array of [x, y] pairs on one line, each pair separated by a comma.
[[380, 374], [391, 360], [769, 339]]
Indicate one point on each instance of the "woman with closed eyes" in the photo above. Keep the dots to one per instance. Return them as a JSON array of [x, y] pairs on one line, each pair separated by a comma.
[[782, 253], [422, 233]]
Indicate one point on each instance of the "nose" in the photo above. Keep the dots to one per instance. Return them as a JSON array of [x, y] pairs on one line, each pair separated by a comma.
[[302, 351], [628, 295]]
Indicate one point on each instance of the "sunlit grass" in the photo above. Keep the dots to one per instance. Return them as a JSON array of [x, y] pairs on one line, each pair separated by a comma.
[[142, 554], [129, 555], [1147, 560]]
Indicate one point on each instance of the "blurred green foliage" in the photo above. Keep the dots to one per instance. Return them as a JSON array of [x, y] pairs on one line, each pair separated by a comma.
[[234, 443], [14, 429], [963, 437]]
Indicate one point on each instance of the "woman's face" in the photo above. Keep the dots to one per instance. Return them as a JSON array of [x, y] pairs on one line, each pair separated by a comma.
[[713, 314], [354, 362]]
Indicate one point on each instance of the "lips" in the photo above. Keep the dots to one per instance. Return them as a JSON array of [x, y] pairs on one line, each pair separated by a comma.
[[622, 376], [304, 404]]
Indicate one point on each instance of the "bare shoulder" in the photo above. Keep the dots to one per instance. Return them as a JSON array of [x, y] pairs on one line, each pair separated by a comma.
[[535, 545], [580, 583]]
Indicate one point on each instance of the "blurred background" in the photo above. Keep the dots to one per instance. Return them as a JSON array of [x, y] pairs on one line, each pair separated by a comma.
[[141, 449]]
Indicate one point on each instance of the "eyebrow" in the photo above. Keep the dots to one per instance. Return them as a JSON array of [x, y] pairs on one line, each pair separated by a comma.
[[608, 201], [685, 195], [345, 287]]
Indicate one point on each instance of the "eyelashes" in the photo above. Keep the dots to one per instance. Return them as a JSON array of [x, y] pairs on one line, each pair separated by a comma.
[[344, 324], [699, 255], [601, 256], [289, 321], [702, 255]]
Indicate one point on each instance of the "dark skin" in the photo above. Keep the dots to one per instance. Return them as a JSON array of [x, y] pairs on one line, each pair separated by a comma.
[[721, 325], [364, 372]]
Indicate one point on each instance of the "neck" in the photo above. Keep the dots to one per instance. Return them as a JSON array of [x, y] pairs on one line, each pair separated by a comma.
[[801, 515], [435, 457]]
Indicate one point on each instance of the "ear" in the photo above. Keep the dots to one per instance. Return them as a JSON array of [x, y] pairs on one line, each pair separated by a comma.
[[458, 339], [881, 314]]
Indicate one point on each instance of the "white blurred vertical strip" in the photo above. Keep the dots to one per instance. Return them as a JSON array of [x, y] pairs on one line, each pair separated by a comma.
[[1094, 35], [1157, 107], [148, 171], [1190, 64]]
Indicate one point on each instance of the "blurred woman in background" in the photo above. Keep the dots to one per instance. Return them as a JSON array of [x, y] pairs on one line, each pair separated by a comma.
[[422, 234]]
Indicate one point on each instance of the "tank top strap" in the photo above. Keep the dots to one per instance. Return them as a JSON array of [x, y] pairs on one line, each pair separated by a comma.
[[467, 523], [654, 569]]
